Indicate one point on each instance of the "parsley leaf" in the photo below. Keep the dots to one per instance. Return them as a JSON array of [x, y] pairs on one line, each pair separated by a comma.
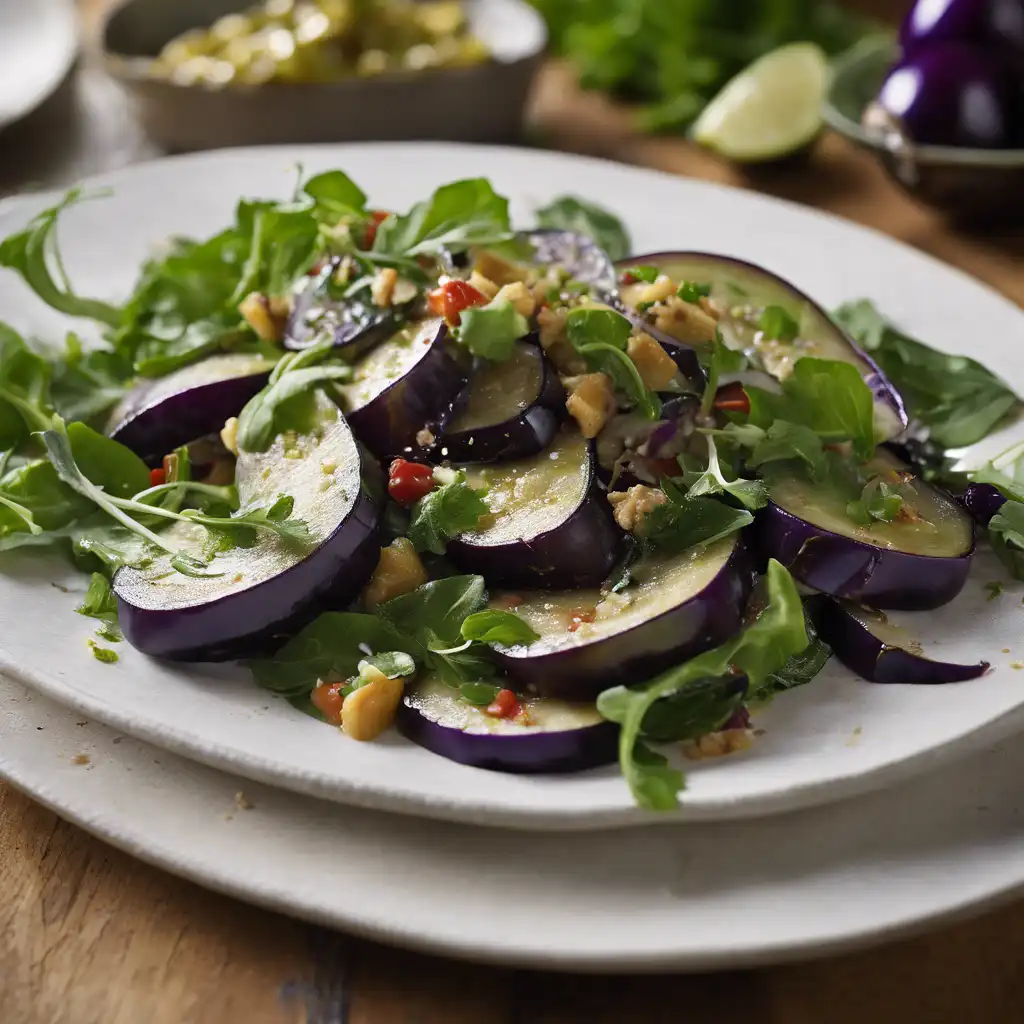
[[570, 213], [445, 512], [685, 521], [492, 331], [878, 502], [760, 650], [784, 441], [955, 397], [751, 493], [1006, 532]]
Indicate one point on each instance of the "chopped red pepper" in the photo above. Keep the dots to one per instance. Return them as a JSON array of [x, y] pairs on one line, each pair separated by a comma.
[[377, 217], [327, 698], [505, 705], [409, 481], [452, 298], [157, 477], [628, 278], [732, 398], [580, 615]]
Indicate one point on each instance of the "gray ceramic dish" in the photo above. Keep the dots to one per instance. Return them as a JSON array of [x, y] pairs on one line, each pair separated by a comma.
[[483, 103], [967, 184]]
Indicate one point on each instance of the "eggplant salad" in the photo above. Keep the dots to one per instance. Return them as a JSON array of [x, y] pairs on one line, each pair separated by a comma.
[[532, 502]]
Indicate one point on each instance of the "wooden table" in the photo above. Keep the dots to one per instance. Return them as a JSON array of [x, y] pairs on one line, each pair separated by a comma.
[[90, 936]]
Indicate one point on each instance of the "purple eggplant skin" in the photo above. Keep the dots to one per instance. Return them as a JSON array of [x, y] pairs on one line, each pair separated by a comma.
[[983, 501], [885, 394], [997, 23], [540, 753], [388, 423], [579, 552], [160, 415], [354, 325], [949, 94], [525, 434], [878, 662], [256, 621], [843, 567], [581, 672]]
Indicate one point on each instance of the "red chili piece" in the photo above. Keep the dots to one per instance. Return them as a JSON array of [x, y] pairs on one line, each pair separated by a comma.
[[505, 705], [628, 278], [377, 217], [327, 699], [732, 398], [409, 481], [580, 615], [452, 298], [157, 477]]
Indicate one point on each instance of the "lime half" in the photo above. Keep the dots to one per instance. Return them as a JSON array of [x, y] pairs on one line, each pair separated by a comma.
[[770, 109]]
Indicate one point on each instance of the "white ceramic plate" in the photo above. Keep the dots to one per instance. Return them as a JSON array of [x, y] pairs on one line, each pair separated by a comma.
[[38, 42], [680, 897], [837, 737]]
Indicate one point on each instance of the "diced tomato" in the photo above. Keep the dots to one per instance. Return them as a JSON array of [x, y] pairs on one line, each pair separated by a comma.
[[627, 278], [377, 217], [580, 615], [505, 705], [327, 699], [732, 398], [157, 477], [409, 481], [452, 298]]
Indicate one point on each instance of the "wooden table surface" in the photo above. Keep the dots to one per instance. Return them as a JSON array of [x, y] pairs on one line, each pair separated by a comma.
[[90, 936]]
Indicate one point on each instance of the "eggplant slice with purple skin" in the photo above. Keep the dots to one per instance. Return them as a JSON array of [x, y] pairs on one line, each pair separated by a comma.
[[868, 644], [742, 291], [319, 314], [401, 386], [157, 416], [508, 410], [579, 256], [550, 524], [561, 737], [678, 606], [916, 562], [269, 590]]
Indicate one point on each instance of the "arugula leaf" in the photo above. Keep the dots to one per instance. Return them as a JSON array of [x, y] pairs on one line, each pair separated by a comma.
[[777, 324], [336, 195], [274, 518], [331, 646], [703, 707], [434, 612], [87, 382], [492, 331], [685, 521], [445, 512], [722, 359], [34, 255], [283, 246], [760, 650], [1006, 532], [266, 414], [456, 216], [954, 397], [106, 462], [799, 670], [601, 336], [785, 441], [493, 626], [879, 502], [751, 493], [24, 390], [1005, 472], [569, 213], [825, 395], [35, 490]]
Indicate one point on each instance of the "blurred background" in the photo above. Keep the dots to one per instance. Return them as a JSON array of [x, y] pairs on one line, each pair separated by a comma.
[[830, 102]]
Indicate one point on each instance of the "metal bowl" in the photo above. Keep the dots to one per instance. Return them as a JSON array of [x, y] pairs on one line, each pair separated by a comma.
[[482, 103], [970, 185]]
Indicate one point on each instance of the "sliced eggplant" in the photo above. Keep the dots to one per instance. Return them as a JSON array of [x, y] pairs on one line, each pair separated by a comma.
[[742, 291], [401, 386], [676, 607], [983, 501], [865, 641], [550, 737], [920, 560], [321, 312], [157, 416], [273, 587], [508, 410], [550, 524]]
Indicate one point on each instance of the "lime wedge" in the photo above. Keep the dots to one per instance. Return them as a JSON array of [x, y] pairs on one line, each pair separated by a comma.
[[770, 109]]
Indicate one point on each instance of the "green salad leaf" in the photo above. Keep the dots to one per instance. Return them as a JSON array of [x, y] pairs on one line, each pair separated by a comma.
[[445, 512], [686, 520], [493, 626], [569, 213], [492, 331]]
